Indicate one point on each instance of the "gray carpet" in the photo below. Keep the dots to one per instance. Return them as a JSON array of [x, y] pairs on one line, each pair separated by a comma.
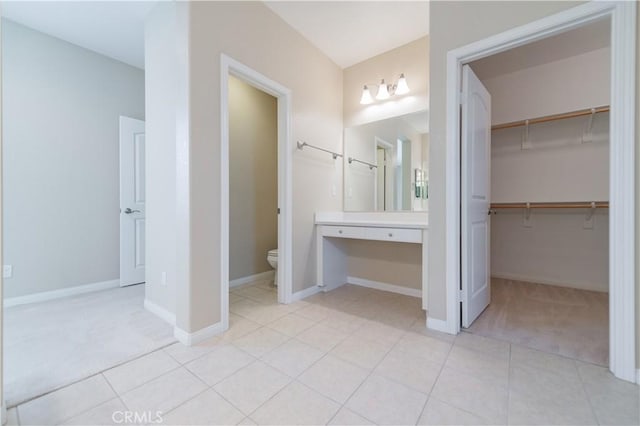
[[52, 344]]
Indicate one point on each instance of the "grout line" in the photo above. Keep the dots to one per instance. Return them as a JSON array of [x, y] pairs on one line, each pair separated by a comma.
[[509, 386], [117, 394], [584, 389]]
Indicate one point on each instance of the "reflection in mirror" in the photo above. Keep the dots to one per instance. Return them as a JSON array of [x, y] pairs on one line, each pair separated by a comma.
[[386, 167]]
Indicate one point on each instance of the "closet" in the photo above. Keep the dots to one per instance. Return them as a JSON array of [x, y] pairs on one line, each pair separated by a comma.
[[549, 194]]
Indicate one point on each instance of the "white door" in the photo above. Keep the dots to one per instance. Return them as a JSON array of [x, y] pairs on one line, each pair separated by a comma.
[[476, 196], [132, 201]]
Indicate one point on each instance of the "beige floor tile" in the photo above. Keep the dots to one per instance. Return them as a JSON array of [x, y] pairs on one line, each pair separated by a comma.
[[247, 421], [471, 394], [521, 356], [238, 327], [334, 378], [184, 354], [545, 397], [139, 371], [419, 327], [492, 347], [314, 312], [165, 392], [219, 364], [252, 386], [493, 369], [67, 402], [291, 325], [269, 313], [258, 294], [322, 337], [614, 401], [344, 322], [379, 333], [386, 402], [416, 372], [362, 352], [261, 341], [296, 404], [208, 408], [12, 417], [293, 357], [434, 350], [346, 417], [244, 307], [439, 413], [111, 412]]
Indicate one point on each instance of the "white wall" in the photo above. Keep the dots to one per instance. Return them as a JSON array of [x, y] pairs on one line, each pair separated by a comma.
[[60, 143], [161, 97], [253, 178]]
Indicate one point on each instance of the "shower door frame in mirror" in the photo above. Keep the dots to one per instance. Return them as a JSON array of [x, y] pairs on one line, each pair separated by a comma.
[[229, 66]]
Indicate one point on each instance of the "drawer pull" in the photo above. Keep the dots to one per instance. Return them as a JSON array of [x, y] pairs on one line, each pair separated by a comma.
[[340, 231], [390, 234]]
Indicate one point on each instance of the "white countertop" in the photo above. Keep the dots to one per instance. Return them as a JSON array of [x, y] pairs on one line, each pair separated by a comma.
[[410, 220]]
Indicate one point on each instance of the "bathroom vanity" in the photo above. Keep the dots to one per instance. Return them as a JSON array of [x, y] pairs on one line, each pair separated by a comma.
[[398, 227]]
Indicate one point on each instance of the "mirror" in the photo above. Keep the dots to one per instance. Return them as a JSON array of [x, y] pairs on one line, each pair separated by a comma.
[[386, 164]]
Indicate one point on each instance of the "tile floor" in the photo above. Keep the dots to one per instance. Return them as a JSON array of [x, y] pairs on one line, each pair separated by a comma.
[[351, 356]]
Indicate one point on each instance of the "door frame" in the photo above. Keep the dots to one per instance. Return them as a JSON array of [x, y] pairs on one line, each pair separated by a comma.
[[229, 66], [388, 148], [622, 338]]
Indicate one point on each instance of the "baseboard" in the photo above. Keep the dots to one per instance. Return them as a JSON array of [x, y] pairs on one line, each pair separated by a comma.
[[158, 310], [58, 294], [190, 339], [538, 280], [307, 292], [438, 325], [262, 276], [392, 288]]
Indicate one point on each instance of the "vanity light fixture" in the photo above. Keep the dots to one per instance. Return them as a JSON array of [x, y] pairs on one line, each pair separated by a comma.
[[366, 98], [385, 91]]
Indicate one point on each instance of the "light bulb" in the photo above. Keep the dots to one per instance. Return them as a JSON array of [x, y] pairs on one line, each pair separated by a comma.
[[366, 98], [402, 87], [383, 92]]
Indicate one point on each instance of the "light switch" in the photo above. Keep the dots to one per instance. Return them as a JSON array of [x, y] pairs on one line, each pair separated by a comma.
[[7, 271]]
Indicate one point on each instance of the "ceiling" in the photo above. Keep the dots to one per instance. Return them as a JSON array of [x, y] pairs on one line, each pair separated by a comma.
[[347, 32], [111, 28], [571, 43]]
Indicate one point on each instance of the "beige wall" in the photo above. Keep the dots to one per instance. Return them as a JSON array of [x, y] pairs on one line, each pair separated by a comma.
[[412, 59], [398, 264], [255, 36], [453, 25], [253, 178]]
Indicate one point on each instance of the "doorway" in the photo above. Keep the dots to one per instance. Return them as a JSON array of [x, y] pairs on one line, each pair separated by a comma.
[[622, 167], [231, 67], [384, 172]]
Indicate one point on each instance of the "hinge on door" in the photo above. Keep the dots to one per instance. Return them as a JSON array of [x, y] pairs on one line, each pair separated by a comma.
[[278, 210], [461, 98], [460, 296]]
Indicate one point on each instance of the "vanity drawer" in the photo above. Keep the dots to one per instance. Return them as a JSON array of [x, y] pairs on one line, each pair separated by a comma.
[[343, 231], [394, 234]]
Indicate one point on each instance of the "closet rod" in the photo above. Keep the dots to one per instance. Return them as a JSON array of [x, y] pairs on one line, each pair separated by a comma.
[[554, 117], [559, 205]]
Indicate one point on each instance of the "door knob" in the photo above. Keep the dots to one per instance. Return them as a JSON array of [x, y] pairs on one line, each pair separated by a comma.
[[129, 211]]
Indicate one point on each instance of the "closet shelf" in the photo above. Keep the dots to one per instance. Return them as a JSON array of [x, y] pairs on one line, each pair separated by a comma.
[[556, 205], [554, 117]]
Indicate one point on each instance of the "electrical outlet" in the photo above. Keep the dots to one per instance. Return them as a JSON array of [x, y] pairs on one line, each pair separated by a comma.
[[7, 271], [163, 278]]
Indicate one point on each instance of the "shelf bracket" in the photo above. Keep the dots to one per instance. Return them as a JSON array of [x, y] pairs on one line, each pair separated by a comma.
[[588, 219], [526, 220], [587, 136], [525, 136]]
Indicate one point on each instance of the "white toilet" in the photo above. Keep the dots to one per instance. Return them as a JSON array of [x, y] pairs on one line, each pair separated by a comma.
[[272, 258]]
